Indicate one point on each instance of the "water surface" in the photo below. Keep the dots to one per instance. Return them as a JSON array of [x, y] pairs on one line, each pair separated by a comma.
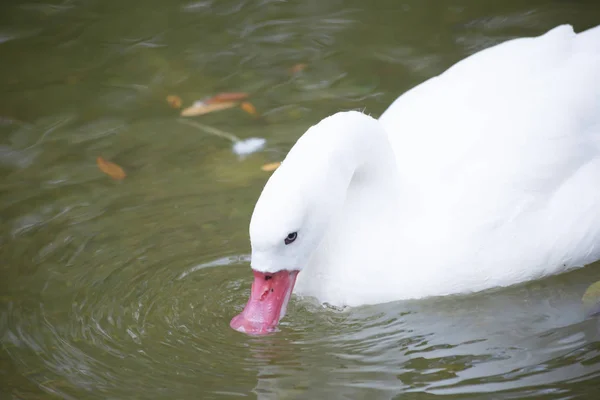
[[124, 289]]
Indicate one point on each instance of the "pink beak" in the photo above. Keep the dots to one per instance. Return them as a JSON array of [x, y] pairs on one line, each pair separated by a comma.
[[267, 304]]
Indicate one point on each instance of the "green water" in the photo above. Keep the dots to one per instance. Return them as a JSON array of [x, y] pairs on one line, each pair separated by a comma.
[[124, 289]]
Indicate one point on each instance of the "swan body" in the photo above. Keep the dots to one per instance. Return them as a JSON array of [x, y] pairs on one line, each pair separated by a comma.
[[486, 175]]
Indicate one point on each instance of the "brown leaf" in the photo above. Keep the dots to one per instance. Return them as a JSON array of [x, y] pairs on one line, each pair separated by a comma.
[[201, 108], [298, 68], [174, 101], [73, 79], [270, 167], [227, 97], [110, 169], [249, 108]]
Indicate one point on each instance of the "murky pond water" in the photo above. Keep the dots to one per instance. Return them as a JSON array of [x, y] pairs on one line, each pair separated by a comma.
[[124, 289]]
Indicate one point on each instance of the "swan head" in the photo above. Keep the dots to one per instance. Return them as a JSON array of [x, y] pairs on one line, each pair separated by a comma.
[[291, 218]]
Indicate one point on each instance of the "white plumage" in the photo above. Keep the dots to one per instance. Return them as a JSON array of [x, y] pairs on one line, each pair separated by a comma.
[[487, 175]]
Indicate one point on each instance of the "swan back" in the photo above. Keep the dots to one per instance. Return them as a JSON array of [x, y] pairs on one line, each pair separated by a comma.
[[501, 157]]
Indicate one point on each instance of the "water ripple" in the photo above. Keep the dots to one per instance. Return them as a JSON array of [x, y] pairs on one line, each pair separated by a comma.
[[126, 289]]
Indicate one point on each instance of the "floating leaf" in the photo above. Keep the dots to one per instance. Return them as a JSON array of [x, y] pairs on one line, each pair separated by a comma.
[[270, 167], [227, 97], [298, 68], [174, 101], [591, 299], [111, 169], [201, 108], [249, 108]]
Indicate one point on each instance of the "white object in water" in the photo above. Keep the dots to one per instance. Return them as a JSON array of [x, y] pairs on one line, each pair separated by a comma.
[[248, 146]]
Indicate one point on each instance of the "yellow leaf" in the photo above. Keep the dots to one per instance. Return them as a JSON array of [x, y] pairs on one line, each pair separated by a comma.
[[174, 101], [591, 299], [592, 294], [201, 108], [270, 167], [110, 169], [249, 108]]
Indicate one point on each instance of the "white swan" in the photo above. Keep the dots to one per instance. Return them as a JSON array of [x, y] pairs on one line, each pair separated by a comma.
[[487, 175]]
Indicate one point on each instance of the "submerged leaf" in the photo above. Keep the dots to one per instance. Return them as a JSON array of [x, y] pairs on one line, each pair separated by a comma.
[[174, 101], [249, 108], [73, 79], [270, 167], [227, 97], [298, 68], [111, 169], [201, 108]]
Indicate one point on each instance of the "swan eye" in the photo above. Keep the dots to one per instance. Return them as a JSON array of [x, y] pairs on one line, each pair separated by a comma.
[[290, 237]]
